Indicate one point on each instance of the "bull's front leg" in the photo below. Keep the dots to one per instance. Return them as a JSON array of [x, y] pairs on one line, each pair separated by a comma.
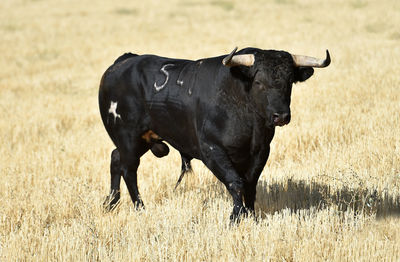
[[252, 175], [219, 163]]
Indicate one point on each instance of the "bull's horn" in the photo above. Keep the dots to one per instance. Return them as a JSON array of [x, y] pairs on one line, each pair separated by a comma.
[[228, 58], [237, 60], [307, 61]]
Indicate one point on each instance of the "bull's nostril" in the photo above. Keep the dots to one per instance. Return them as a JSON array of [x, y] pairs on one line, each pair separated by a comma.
[[275, 115], [276, 119]]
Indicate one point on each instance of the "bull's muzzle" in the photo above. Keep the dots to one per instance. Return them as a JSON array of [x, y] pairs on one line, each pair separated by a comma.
[[280, 119]]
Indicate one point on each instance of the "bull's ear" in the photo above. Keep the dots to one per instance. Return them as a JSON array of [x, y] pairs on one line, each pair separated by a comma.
[[302, 73]]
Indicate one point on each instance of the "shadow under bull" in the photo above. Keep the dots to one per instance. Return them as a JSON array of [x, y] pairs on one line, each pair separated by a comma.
[[297, 195]]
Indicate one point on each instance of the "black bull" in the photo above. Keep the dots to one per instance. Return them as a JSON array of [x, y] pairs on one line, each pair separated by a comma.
[[221, 110]]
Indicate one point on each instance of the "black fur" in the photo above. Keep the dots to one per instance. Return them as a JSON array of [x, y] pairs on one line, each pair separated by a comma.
[[124, 57]]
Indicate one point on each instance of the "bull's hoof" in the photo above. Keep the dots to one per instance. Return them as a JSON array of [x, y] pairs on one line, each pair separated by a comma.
[[237, 214], [139, 205], [111, 202]]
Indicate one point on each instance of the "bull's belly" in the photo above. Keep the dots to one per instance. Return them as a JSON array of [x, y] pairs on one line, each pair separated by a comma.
[[174, 126]]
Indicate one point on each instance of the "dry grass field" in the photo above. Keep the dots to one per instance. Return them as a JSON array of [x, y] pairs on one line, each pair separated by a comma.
[[331, 187]]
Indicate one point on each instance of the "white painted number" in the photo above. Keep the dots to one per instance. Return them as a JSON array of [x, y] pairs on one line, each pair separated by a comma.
[[165, 72]]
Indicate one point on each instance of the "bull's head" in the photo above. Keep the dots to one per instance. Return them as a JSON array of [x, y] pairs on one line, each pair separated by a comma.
[[271, 75]]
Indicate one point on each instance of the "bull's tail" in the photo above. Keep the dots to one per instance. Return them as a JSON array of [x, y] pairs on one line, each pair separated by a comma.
[[186, 168]]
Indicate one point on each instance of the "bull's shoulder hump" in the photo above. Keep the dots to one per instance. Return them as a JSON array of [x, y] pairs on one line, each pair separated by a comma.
[[124, 57]]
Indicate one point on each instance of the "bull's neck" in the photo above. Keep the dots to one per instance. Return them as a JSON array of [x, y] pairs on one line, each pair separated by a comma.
[[238, 90], [235, 88]]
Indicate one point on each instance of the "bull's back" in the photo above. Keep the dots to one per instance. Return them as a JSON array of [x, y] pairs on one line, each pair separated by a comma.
[[167, 96]]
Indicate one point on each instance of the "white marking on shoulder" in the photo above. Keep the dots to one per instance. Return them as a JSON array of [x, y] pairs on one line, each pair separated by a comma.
[[113, 110]]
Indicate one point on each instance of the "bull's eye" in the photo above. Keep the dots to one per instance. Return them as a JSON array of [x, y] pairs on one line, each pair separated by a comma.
[[259, 85]]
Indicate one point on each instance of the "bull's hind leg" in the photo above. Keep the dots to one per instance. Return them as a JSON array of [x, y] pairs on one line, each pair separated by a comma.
[[131, 151], [115, 170]]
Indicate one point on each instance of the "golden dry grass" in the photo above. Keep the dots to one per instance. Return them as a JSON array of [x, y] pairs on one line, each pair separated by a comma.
[[331, 187]]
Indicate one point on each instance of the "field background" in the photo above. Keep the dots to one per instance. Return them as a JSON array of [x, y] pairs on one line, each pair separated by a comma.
[[331, 187]]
